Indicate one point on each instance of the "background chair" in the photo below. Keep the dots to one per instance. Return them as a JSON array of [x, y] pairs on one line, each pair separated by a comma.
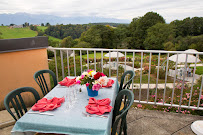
[[127, 85], [15, 98], [40, 79], [119, 116]]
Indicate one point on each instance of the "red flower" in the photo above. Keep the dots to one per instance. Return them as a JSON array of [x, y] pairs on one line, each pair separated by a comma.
[[98, 75]]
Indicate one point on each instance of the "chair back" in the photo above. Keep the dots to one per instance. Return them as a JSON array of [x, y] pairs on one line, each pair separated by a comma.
[[127, 85], [119, 116], [40, 79], [16, 100]]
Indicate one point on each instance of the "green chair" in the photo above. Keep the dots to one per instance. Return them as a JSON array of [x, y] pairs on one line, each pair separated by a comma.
[[16, 100], [127, 85], [40, 79], [119, 116]]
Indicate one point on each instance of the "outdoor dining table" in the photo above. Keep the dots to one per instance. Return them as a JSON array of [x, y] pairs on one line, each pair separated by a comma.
[[71, 121]]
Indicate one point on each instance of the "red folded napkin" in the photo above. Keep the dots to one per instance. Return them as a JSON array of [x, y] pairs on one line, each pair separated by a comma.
[[67, 82], [47, 104], [110, 83], [98, 107]]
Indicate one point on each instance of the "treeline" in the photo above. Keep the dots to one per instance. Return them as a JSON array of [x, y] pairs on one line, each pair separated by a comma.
[[147, 32], [110, 24], [62, 31]]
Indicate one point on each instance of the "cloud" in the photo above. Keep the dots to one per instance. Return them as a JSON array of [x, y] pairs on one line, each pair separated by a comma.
[[120, 9]]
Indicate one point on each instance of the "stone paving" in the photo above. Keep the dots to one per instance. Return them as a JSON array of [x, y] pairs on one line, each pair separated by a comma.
[[151, 122]]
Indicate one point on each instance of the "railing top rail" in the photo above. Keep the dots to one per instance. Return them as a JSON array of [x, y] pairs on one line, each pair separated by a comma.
[[123, 50]]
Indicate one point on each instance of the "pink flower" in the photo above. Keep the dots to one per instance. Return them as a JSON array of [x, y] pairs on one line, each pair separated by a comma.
[[139, 106], [201, 97], [197, 87], [78, 82], [184, 98], [82, 76], [96, 87], [87, 84], [153, 96], [188, 95]]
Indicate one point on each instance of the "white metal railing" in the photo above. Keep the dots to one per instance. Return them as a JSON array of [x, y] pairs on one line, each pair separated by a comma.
[[125, 51]]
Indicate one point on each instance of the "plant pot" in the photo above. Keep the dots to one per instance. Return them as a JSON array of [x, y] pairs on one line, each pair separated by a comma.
[[92, 93]]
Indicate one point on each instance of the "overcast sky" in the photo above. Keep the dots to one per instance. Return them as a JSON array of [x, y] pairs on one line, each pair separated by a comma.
[[120, 9]]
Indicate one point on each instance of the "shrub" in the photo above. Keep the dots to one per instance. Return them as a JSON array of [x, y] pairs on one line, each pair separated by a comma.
[[161, 73]]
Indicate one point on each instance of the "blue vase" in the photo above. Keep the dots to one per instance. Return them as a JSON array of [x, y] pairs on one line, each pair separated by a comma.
[[92, 93]]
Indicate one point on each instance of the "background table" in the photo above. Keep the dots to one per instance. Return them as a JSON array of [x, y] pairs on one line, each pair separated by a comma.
[[71, 121]]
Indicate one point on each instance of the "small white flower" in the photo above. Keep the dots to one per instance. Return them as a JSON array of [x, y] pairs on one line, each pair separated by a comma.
[[85, 73], [78, 78]]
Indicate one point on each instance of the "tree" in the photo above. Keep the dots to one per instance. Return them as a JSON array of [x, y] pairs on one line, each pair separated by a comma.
[[40, 33], [26, 24], [169, 46], [83, 44], [140, 26], [157, 35], [99, 36], [67, 42], [47, 24], [120, 34], [2, 24], [42, 24]]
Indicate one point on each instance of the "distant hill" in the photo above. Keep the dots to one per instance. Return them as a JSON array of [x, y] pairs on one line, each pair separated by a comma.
[[21, 18]]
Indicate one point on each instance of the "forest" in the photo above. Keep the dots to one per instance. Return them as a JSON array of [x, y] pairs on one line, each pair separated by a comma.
[[147, 32]]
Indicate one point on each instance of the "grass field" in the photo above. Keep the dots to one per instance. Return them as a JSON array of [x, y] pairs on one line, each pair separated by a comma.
[[199, 70], [8, 33], [43, 28], [55, 39]]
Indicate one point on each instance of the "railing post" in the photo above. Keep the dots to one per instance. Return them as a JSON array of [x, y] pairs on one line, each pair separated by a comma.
[[157, 78], [150, 58], [61, 53]]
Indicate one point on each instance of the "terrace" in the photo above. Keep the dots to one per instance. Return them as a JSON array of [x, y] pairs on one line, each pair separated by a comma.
[[165, 101]]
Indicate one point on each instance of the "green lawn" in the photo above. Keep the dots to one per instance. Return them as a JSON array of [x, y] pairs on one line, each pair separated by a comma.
[[152, 79], [98, 56], [55, 39], [199, 70], [43, 28], [8, 33]]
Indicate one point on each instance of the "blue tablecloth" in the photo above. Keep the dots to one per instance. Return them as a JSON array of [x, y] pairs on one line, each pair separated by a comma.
[[71, 121]]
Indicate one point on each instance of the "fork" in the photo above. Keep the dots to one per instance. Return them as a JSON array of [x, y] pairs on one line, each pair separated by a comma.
[[90, 115]]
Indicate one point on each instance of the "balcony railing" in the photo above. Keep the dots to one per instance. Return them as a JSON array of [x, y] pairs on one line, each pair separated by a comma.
[[142, 98]]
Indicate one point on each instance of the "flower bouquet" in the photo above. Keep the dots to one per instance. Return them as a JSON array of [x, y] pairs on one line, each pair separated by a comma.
[[93, 80]]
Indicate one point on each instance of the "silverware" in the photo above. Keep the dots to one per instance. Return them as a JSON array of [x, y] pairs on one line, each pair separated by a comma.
[[90, 115], [42, 113]]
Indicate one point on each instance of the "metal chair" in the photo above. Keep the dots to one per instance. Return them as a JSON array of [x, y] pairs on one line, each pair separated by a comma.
[[40, 79], [127, 85], [15, 98], [119, 116]]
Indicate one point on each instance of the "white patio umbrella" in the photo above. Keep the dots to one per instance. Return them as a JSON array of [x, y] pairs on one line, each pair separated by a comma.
[[182, 58], [114, 54]]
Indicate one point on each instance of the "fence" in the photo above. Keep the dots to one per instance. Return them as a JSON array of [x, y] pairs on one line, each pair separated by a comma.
[[139, 56]]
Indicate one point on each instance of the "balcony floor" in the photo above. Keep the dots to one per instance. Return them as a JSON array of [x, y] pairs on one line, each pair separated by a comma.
[[150, 122]]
